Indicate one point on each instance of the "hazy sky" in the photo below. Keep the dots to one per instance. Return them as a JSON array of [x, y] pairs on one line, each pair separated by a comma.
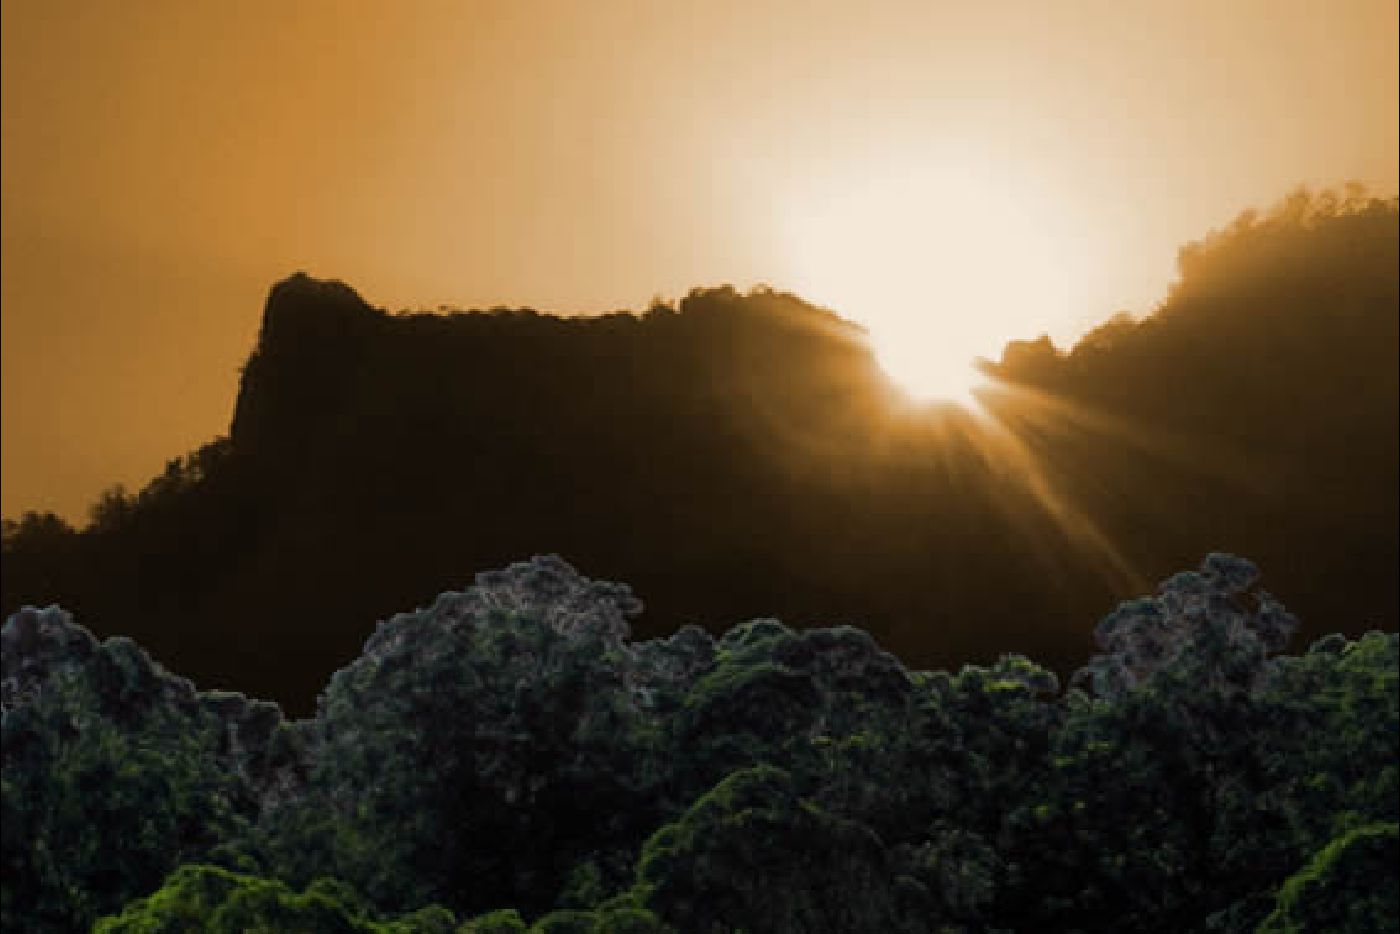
[[952, 174]]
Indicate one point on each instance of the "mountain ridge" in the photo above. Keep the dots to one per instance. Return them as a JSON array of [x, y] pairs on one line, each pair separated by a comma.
[[736, 456]]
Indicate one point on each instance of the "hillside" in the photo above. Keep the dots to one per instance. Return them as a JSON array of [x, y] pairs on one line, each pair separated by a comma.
[[735, 456]]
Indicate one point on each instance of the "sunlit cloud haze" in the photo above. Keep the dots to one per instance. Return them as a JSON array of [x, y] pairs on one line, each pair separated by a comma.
[[953, 175]]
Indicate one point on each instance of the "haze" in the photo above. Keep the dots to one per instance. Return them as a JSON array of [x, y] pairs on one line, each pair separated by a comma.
[[164, 163]]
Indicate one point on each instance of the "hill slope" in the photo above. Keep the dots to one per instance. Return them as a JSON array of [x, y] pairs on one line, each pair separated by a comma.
[[738, 456]]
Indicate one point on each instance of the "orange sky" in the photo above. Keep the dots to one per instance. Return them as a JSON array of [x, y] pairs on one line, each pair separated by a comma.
[[164, 162]]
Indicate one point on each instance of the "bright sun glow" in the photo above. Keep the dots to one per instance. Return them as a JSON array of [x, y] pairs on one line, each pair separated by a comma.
[[943, 260]]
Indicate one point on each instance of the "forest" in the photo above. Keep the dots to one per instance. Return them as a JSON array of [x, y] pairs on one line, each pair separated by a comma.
[[511, 758]]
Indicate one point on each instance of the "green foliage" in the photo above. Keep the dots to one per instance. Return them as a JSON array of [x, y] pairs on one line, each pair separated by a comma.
[[509, 746], [478, 750], [502, 921], [606, 920], [752, 854], [113, 774], [820, 704], [1233, 766], [1337, 890], [212, 900], [584, 886]]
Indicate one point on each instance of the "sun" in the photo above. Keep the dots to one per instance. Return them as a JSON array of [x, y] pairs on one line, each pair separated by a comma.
[[943, 259], [926, 373]]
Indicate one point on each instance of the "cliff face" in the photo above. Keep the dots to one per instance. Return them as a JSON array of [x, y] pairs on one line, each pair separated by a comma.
[[313, 333], [415, 411], [322, 349]]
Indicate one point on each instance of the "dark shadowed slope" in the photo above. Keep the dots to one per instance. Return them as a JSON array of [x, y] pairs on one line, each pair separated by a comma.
[[1257, 407], [738, 456]]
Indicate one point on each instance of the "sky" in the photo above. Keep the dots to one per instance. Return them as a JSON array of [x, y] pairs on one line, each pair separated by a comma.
[[952, 175]]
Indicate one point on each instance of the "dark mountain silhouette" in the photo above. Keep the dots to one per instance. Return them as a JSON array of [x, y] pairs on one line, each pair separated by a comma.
[[736, 456], [1262, 404]]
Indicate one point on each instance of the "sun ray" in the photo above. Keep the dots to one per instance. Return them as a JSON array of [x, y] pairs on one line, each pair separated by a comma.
[[1021, 406], [1014, 464], [1001, 445]]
